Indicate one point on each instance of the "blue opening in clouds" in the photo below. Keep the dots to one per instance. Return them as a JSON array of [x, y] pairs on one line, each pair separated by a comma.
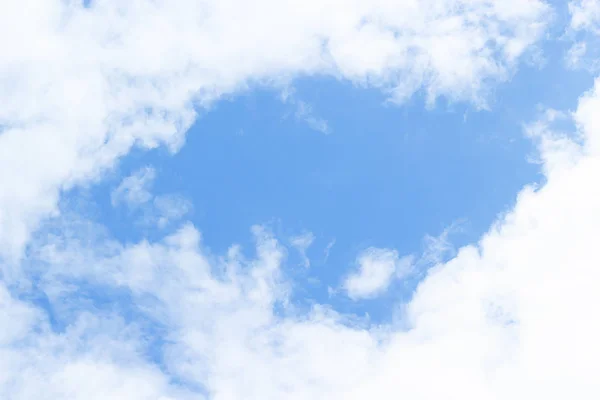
[[350, 247], [380, 174]]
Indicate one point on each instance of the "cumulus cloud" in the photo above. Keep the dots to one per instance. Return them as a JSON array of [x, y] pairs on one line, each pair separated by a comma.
[[509, 317], [376, 269], [83, 85]]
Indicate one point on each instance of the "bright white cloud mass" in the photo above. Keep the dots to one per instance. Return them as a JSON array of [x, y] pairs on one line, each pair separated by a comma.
[[509, 317], [376, 268]]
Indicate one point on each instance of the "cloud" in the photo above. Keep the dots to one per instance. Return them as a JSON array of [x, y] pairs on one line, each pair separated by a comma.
[[438, 248], [584, 28], [95, 357], [585, 15], [511, 316], [376, 269], [142, 68], [327, 250], [302, 243], [304, 112], [576, 54], [168, 209], [134, 190]]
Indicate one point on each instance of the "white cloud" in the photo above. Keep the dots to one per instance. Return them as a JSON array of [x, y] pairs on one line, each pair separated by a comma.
[[302, 243], [327, 250], [436, 248], [376, 269], [510, 317], [585, 27], [575, 55], [585, 15], [304, 112], [134, 190], [95, 357], [82, 86], [170, 208]]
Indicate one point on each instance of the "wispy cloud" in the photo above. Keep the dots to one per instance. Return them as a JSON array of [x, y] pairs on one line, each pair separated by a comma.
[[134, 190], [304, 112], [328, 249], [439, 248], [168, 209], [302, 243]]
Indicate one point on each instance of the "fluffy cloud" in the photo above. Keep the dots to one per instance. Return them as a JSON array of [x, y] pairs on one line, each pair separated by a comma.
[[95, 357], [82, 85], [585, 14], [512, 316], [585, 26], [376, 268], [509, 317]]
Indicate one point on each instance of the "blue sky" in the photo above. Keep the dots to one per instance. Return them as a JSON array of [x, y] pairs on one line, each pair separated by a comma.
[[383, 175], [279, 199]]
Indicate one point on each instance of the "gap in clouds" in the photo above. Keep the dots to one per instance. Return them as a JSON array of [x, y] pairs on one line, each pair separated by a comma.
[[488, 148], [248, 161]]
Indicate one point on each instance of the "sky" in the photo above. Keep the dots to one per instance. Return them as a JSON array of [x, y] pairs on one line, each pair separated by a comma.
[[223, 199]]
